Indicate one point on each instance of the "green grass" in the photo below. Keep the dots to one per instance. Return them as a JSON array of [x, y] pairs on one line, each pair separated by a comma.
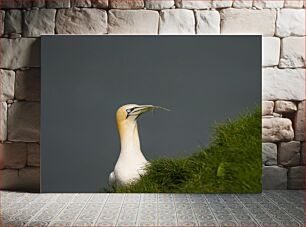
[[232, 163]]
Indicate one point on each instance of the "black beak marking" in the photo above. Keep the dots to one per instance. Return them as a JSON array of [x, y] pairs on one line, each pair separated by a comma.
[[132, 110], [129, 111]]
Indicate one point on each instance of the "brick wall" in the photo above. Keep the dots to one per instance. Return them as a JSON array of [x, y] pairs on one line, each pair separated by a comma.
[[281, 22]]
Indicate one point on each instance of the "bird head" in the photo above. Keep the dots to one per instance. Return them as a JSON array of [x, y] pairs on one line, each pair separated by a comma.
[[131, 112]]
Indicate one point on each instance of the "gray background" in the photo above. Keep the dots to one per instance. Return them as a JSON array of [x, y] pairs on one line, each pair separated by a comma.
[[202, 79]]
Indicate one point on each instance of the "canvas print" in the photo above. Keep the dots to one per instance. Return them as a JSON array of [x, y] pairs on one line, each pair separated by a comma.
[[151, 114]]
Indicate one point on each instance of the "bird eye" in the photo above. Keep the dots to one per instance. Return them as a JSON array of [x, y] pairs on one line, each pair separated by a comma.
[[130, 110]]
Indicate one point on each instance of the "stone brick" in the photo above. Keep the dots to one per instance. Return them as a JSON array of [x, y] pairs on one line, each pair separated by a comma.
[[296, 177], [285, 106], [177, 21], [299, 122], [85, 21], [126, 4], [159, 4], [293, 52], [20, 53], [208, 22], [248, 21], [289, 153], [277, 129], [290, 22], [242, 4], [274, 177], [24, 122], [9, 179], [30, 179], [269, 154], [80, 3], [3, 121], [283, 84], [99, 3], [13, 21], [293, 4], [38, 3], [140, 22], [262, 4], [13, 155], [267, 108], [192, 4], [270, 51], [33, 154], [39, 22], [27, 86], [26, 179], [221, 3], [57, 4], [303, 160], [7, 80], [2, 15], [15, 4]]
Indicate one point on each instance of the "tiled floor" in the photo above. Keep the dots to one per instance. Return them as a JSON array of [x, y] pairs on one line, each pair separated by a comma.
[[271, 208]]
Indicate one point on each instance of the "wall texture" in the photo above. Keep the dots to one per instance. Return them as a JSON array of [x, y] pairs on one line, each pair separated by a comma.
[[281, 22]]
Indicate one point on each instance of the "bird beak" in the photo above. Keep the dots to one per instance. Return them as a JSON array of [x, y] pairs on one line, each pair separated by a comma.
[[146, 108]]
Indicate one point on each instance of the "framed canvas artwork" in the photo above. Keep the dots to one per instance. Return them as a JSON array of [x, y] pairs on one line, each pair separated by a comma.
[[151, 114]]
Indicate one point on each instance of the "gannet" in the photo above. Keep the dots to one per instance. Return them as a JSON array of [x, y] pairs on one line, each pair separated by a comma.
[[131, 162]]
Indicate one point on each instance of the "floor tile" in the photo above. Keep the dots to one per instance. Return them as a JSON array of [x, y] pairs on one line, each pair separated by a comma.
[[270, 208]]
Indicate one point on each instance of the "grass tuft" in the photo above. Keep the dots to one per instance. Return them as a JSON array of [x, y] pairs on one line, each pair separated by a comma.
[[232, 163]]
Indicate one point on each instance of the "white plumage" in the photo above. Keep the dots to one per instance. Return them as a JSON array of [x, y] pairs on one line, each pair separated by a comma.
[[131, 162]]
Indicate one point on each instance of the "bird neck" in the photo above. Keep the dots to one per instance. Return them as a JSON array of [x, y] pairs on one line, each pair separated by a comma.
[[129, 136]]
